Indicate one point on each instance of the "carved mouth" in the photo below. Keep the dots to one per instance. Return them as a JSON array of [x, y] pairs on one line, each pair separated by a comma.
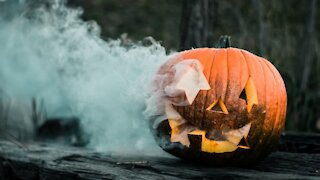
[[225, 140]]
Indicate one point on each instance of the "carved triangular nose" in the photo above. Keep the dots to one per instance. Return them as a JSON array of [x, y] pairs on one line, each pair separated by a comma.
[[218, 106]]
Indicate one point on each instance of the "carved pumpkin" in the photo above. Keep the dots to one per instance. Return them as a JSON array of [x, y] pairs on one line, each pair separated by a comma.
[[221, 105]]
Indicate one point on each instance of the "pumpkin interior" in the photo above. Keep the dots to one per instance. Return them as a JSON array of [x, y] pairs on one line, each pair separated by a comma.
[[251, 94], [231, 138], [218, 106]]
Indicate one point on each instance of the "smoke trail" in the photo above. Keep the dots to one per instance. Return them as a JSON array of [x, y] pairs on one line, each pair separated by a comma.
[[50, 53]]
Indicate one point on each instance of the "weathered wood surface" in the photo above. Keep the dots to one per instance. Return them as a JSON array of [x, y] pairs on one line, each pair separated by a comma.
[[44, 161]]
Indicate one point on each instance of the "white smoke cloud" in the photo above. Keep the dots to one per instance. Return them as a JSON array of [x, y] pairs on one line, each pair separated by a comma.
[[51, 54]]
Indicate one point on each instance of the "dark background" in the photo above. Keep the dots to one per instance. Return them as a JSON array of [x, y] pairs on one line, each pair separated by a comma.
[[284, 32]]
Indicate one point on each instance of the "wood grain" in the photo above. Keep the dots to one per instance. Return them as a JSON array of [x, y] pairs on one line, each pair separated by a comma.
[[48, 161]]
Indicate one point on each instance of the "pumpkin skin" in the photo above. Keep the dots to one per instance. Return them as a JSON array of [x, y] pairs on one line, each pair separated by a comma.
[[230, 72]]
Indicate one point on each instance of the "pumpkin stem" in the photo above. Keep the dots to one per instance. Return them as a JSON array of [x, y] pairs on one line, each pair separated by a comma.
[[224, 42]]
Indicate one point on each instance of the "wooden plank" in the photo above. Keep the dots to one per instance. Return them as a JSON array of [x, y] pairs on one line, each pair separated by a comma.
[[44, 161], [300, 142]]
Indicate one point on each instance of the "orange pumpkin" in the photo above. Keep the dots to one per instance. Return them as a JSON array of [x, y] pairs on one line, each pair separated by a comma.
[[236, 118]]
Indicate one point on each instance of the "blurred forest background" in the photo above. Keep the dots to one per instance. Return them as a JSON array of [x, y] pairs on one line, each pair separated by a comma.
[[284, 32]]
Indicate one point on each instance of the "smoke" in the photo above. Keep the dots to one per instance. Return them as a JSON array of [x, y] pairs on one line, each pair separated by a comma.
[[49, 53]]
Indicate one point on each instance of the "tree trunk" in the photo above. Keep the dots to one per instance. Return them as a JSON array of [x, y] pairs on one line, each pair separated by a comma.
[[307, 45], [197, 24], [261, 26]]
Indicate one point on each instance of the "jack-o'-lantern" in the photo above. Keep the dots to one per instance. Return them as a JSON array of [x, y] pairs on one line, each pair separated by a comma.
[[221, 105]]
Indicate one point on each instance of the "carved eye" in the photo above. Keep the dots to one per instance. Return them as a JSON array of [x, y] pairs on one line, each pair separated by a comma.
[[249, 94], [218, 106]]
